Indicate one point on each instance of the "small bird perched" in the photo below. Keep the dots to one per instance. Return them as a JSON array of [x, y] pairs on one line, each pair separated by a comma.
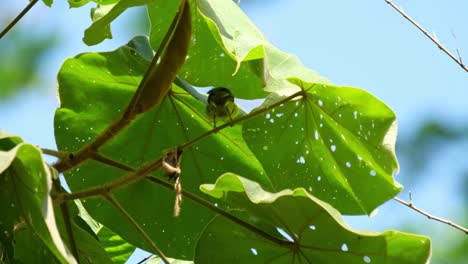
[[221, 105]]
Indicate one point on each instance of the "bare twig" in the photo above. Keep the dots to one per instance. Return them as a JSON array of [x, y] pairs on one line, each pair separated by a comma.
[[450, 223], [17, 18], [145, 259], [242, 118], [155, 165], [128, 115], [55, 153], [403, 13], [226, 214], [106, 188], [142, 232]]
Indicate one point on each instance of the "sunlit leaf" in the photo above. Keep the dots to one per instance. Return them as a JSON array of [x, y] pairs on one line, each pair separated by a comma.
[[308, 231], [225, 41], [118, 249], [337, 142], [93, 89], [25, 201], [102, 17]]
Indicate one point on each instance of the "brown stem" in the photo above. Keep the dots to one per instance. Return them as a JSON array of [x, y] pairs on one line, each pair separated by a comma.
[[450, 223], [107, 187], [18, 18], [140, 230], [242, 118]]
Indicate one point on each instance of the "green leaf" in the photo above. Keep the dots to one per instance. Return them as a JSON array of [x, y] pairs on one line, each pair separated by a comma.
[[93, 90], [94, 247], [48, 2], [207, 56], [161, 14], [309, 231], [103, 15], [157, 260], [118, 249], [77, 3], [225, 41], [29, 248], [337, 142], [25, 199], [163, 67], [7, 142], [90, 249]]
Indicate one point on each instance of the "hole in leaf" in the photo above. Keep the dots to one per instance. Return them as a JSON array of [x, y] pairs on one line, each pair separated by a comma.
[[301, 160], [284, 234], [312, 227], [373, 173], [366, 259], [344, 247], [254, 251]]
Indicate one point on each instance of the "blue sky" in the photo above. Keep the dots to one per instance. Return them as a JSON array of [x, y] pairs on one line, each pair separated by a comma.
[[364, 44]]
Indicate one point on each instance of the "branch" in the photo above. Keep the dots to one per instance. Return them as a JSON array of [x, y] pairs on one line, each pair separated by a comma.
[[457, 60], [450, 223], [242, 118], [225, 214], [106, 188], [55, 153], [200, 201], [132, 221], [133, 108], [17, 18], [147, 168]]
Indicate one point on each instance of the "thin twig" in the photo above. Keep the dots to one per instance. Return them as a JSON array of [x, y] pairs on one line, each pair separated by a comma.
[[55, 153], [196, 199], [403, 13], [146, 169], [225, 214], [17, 18], [202, 202], [450, 223], [128, 115], [105, 188], [242, 118], [145, 259], [132, 221]]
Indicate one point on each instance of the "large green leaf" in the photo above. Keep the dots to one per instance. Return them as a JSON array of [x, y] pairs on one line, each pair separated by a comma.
[[206, 56], [337, 142], [25, 201], [118, 249], [225, 41], [93, 90], [315, 231], [102, 17], [90, 249]]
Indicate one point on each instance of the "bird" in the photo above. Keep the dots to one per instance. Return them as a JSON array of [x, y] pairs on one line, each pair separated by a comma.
[[221, 105]]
